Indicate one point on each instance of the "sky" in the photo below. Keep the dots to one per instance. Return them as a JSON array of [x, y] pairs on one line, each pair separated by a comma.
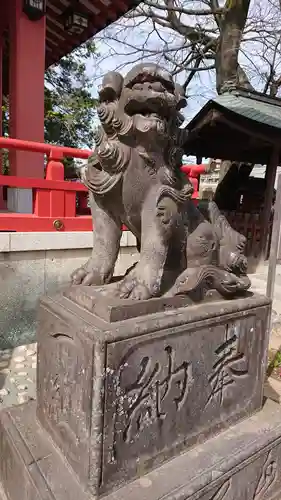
[[195, 102], [199, 91], [254, 57]]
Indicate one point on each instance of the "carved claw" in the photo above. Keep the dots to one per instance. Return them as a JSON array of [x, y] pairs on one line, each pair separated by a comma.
[[81, 277], [136, 292], [132, 288]]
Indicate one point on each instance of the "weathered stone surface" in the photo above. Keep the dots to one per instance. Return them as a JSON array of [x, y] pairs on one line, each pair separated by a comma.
[[121, 398], [242, 463], [114, 309], [31, 468], [2, 494]]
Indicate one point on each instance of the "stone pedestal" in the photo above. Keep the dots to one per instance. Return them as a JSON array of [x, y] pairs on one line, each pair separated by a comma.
[[139, 400], [241, 463]]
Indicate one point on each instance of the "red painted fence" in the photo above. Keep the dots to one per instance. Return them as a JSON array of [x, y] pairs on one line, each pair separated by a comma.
[[54, 199]]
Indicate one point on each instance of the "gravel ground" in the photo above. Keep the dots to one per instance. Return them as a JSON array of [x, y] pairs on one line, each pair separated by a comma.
[[17, 375]]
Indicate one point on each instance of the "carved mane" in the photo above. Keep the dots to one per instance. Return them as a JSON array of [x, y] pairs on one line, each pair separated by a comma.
[[137, 119]]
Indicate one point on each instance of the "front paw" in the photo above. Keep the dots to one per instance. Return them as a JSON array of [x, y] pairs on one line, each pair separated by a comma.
[[132, 287], [138, 292], [78, 275], [86, 276], [82, 277]]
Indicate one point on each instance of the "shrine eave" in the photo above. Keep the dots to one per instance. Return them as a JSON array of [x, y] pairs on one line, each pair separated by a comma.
[[60, 42], [239, 125]]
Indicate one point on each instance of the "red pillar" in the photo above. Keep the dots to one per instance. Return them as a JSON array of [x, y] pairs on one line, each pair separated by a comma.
[[2, 203], [1, 90], [26, 88]]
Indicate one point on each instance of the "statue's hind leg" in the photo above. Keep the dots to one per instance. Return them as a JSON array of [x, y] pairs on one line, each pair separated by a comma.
[[99, 269]]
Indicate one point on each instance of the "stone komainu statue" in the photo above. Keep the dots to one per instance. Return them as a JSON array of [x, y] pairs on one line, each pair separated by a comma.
[[134, 178]]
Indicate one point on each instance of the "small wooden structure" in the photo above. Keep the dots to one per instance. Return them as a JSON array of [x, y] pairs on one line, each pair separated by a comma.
[[242, 126]]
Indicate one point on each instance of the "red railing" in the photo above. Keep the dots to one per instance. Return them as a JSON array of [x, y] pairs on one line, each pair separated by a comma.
[[54, 199]]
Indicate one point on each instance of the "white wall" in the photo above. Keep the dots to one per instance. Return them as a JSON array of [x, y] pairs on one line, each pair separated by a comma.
[[34, 264]]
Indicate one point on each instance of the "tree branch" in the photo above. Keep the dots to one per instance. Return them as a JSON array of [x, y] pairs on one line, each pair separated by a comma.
[[182, 10], [189, 35]]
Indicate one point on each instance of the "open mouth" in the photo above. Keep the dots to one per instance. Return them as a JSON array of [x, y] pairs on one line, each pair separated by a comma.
[[149, 102], [150, 93], [149, 73]]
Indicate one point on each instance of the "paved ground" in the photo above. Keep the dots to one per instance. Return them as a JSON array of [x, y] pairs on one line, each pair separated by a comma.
[[18, 366], [259, 280]]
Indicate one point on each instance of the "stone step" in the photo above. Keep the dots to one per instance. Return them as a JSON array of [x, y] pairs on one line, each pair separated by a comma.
[[272, 389], [243, 462], [30, 466]]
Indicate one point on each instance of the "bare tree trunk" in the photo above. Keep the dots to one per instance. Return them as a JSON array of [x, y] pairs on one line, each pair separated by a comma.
[[228, 73]]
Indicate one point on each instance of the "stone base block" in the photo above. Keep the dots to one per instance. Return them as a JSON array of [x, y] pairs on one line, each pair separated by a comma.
[[30, 467], [125, 386], [241, 463]]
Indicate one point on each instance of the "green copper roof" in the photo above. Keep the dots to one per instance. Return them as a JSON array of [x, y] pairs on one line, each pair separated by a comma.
[[238, 125], [254, 106]]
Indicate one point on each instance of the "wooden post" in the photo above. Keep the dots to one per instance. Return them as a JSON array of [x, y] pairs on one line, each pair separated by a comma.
[[274, 242], [269, 189], [224, 168]]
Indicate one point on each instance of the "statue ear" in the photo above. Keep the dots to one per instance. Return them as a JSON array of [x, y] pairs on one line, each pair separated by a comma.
[[111, 86]]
